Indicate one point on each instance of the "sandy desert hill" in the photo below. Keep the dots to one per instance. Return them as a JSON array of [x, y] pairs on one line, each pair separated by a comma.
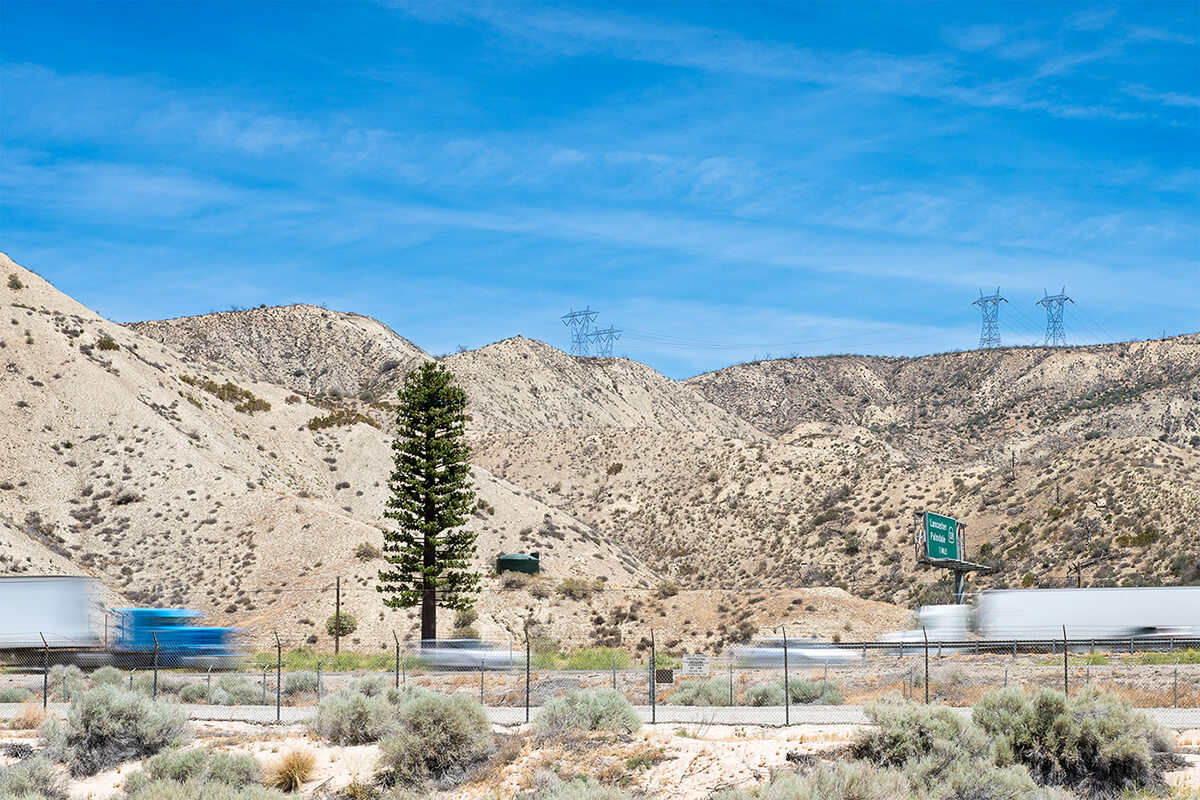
[[768, 479]]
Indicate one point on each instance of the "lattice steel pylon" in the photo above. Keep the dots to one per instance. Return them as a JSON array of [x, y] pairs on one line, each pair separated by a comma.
[[604, 340], [989, 335], [580, 323], [1055, 334]]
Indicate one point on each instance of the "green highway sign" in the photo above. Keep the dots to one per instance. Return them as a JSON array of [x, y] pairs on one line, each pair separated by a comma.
[[942, 538]]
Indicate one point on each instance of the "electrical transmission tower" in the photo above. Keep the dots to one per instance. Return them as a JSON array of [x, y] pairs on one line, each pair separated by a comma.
[[604, 340], [1055, 335], [989, 336], [580, 323]]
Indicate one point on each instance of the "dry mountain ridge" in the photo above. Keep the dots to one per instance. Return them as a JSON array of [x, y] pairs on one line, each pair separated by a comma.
[[303, 347]]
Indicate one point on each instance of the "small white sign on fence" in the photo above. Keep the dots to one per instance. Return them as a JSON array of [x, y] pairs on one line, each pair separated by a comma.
[[696, 665]]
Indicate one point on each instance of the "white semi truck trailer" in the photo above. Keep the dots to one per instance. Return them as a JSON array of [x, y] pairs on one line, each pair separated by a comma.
[[64, 609], [1165, 611]]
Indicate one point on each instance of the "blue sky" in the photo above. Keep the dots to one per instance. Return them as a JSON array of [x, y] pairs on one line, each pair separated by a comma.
[[721, 181]]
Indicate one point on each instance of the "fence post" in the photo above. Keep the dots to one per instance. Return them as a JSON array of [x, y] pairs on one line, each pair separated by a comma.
[[528, 662], [481, 681], [1066, 686], [653, 686], [926, 635], [1087, 674], [1005, 676], [824, 681], [131, 679], [319, 680], [787, 689], [154, 696], [1014, 648], [46, 673], [730, 662], [1176, 705], [264, 686], [208, 688], [397, 639], [1130, 645], [278, 673], [614, 672]]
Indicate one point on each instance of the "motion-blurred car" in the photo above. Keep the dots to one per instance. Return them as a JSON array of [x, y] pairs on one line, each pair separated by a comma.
[[468, 654], [768, 653]]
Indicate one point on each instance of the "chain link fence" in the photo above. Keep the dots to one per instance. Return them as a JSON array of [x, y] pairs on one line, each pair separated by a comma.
[[270, 682]]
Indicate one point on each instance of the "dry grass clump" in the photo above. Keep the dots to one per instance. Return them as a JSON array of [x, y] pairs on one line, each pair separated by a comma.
[[291, 771], [588, 710], [28, 717]]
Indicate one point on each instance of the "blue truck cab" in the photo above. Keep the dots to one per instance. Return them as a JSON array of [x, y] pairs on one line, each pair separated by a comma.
[[180, 640]]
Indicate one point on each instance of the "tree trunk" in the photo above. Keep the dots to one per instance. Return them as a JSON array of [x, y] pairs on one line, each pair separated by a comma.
[[428, 597]]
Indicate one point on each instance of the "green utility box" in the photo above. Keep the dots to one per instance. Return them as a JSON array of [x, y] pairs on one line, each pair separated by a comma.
[[519, 562]]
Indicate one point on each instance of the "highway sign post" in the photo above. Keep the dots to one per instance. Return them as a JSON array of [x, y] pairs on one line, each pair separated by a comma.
[[941, 542]]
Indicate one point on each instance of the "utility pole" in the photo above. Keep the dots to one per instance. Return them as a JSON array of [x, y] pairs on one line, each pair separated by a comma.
[[337, 618]]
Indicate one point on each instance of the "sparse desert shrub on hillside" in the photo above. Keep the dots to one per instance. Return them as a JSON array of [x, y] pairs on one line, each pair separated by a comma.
[[666, 589], [109, 676], [107, 343], [230, 770], [341, 626], [365, 551], [1097, 744], [350, 717], [107, 726], [32, 779], [298, 682], [340, 418], [588, 710], [437, 737], [514, 580], [712, 692], [14, 282], [291, 771], [579, 588]]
